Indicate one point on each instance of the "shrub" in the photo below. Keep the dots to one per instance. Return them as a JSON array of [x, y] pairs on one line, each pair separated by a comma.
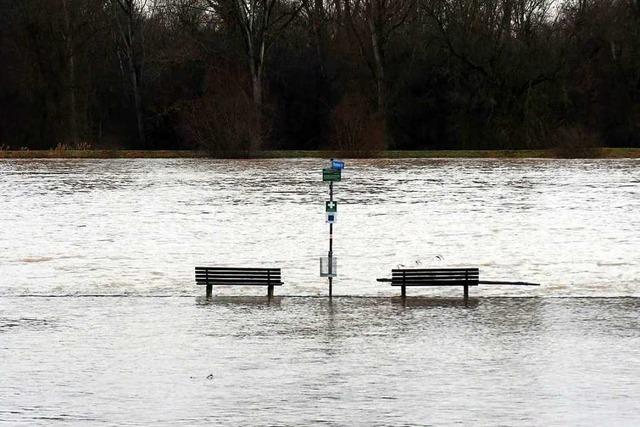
[[355, 128], [223, 120], [60, 148], [575, 143], [82, 146]]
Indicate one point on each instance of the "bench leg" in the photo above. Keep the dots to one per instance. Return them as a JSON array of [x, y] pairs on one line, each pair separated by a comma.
[[270, 291], [209, 291], [466, 294], [403, 291]]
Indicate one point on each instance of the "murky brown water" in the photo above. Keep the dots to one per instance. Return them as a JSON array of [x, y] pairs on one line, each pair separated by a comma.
[[155, 353], [300, 361]]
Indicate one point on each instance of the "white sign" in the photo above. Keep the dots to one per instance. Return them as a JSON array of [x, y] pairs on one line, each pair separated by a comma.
[[332, 217], [324, 267]]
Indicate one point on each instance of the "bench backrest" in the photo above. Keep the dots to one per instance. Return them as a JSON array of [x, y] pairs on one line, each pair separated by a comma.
[[238, 276], [435, 276]]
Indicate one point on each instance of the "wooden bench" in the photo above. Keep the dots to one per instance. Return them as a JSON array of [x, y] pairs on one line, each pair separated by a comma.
[[464, 277], [231, 276]]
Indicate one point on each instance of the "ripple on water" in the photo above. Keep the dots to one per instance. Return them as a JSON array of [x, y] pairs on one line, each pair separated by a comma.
[[352, 361]]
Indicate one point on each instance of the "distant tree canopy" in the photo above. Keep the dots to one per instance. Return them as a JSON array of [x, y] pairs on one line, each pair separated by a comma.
[[230, 75]]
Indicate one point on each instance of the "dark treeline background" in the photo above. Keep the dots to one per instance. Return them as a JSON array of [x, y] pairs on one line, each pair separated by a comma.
[[230, 75]]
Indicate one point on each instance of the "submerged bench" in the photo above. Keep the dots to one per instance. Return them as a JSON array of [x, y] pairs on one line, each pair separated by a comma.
[[231, 276], [464, 277]]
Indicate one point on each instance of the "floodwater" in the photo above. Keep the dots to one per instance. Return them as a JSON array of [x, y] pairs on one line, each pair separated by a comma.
[[101, 323]]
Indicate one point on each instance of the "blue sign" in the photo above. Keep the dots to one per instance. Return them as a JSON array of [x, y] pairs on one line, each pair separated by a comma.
[[337, 164]]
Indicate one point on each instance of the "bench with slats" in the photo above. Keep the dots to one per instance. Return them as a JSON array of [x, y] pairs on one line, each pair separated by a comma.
[[464, 277], [231, 276]]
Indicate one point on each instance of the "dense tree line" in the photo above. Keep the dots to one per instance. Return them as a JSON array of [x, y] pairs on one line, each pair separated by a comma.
[[306, 74]]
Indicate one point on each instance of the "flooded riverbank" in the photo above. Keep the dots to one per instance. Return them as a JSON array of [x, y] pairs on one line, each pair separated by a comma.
[[101, 322], [141, 226]]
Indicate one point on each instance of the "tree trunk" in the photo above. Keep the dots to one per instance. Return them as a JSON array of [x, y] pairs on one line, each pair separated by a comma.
[[378, 58], [255, 57], [319, 24], [135, 84], [256, 137], [71, 69], [507, 16]]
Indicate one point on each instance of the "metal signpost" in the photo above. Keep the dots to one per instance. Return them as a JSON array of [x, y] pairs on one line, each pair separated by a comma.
[[328, 265]]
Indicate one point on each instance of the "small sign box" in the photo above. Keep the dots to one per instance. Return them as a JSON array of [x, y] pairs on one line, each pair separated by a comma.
[[337, 164], [326, 270], [332, 217], [331, 206], [331, 175]]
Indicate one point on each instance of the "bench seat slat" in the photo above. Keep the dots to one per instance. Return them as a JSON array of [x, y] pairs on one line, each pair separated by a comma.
[[232, 269], [213, 280], [238, 273], [431, 278], [218, 280], [433, 270], [257, 282], [219, 274], [471, 273], [238, 283], [436, 284], [234, 276], [435, 276]]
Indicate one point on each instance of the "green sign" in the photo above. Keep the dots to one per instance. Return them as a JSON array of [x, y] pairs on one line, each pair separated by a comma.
[[331, 207], [331, 175]]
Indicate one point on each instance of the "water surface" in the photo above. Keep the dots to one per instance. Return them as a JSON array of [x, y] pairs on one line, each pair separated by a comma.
[[301, 361], [101, 324], [140, 226]]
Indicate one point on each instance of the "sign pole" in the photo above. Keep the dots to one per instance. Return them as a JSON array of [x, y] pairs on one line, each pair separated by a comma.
[[330, 245], [330, 175]]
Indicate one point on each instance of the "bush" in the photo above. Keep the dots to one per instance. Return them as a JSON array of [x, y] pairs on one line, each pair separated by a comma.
[[223, 120], [576, 143], [355, 128]]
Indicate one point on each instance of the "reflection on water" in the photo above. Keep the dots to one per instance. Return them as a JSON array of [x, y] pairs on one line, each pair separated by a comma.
[[301, 361], [140, 226]]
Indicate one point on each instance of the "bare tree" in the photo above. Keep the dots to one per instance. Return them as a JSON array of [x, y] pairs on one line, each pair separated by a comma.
[[129, 17], [376, 20], [71, 69], [261, 21], [315, 14]]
